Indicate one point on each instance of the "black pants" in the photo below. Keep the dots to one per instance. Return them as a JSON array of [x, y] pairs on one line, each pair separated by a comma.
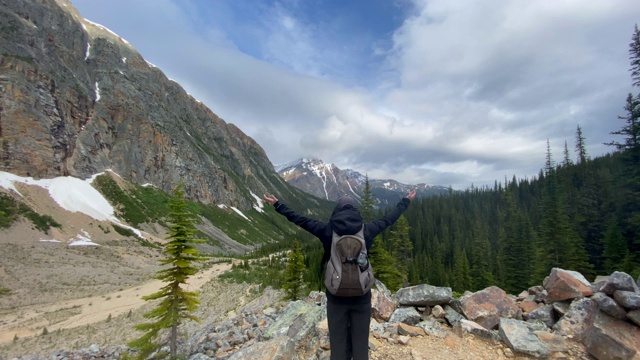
[[349, 331]]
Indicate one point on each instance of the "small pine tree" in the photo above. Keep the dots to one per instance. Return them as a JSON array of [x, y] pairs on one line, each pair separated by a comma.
[[295, 269], [177, 304], [366, 205], [15, 337], [384, 266], [109, 317], [402, 248], [45, 331]]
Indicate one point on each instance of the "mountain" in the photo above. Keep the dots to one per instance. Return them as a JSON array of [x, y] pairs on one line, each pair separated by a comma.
[[327, 181], [76, 99]]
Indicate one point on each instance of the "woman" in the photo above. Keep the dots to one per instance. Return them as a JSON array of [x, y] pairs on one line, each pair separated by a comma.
[[348, 317]]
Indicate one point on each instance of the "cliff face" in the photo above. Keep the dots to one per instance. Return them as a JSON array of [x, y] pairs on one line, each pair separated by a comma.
[[75, 99]]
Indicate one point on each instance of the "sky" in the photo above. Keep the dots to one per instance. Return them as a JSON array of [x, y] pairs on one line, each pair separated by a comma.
[[444, 92]]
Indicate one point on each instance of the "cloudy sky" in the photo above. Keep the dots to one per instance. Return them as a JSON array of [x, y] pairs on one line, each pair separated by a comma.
[[445, 92]]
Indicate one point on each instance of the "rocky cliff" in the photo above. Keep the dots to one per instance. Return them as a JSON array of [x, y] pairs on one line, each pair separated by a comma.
[[76, 99]]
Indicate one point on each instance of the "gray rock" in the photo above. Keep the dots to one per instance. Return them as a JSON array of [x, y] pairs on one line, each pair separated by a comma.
[[407, 315], [434, 328], [424, 295], [610, 338], [627, 299], [299, 316], [578, 318], [543, 314], [476, 329], [519, 337], [561, 307], [634, 316], [452, 316], [619, 281], [279, 348], [609, 306]]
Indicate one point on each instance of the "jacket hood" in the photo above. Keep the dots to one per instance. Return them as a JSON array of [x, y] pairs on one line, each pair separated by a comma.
[[346, 221]]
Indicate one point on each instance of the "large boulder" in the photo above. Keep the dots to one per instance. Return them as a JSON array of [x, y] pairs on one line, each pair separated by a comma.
[[578, 319], [543, 314], [619, 281], [487, 306], [609, 306], [407, 315], [566, 285], [610, 338], [519, 336], [627, 299], [381, 305]]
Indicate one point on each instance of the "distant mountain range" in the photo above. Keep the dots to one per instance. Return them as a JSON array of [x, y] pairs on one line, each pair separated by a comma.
[[327, 181]]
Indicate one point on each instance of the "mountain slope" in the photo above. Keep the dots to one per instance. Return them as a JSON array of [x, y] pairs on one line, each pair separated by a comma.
[[77, 99], [327, 181]]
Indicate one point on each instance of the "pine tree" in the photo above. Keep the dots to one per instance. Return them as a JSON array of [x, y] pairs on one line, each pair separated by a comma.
[[366, 205], [615, 248], [176, 303], [566, 162], [581, 148], [515, 240], [634, 52], [402, 248], [384, 266], [295, 269], [481, 273], [461, 273]]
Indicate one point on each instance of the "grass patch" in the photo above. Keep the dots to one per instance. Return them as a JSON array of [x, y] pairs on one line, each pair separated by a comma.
[[4, 291], [12, 210], [264, 272], [124, 231]]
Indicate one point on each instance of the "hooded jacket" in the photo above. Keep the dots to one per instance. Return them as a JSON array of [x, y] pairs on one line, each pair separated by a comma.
[[345, 220]]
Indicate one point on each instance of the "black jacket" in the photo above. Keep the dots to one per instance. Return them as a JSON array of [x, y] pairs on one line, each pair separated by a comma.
[[344, 221]]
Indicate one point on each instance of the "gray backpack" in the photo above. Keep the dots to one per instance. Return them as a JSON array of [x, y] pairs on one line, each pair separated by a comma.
[[348, 270]]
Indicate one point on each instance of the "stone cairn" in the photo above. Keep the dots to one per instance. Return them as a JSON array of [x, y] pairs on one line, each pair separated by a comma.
[[548, 321]]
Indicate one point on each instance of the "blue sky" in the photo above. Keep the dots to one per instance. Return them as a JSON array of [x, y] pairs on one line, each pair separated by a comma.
[[446, 92]]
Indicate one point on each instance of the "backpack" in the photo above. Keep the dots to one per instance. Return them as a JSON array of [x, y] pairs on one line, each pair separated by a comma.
[[348, 270]]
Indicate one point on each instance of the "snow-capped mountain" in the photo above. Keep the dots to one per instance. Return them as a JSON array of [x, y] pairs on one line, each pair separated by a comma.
[[327, 181]]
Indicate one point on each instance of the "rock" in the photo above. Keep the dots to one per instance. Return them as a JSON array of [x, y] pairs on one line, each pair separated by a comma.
[[404, 329], [424, 295], [539, 293], [634, 316], [297, 321], [452, 316], [578, 318], [566, 285], [438, 312], [610, 338], [487, 306], [403, 340], [553, 342], [433, 328], [619, 281], [528, 306], [518, 336], [476, 329], [382, 307], [609, 306], [407, 315], [374, 344], [627, 299], [561, 307], [279, 348], [543, 314]]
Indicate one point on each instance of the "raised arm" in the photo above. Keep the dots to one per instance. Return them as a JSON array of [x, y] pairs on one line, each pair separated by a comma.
[[313, 226], [375, 227]]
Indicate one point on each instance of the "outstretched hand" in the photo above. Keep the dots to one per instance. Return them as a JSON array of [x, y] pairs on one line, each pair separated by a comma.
[[271, 199], [411, 195]]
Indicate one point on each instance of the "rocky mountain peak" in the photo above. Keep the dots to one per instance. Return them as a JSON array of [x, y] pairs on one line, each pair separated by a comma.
[[327, 181]]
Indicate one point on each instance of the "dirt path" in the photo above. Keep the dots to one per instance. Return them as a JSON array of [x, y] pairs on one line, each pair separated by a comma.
[[29, 321]]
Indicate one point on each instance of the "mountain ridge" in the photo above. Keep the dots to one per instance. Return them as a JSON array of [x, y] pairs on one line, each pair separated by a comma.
[[327, 181]]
